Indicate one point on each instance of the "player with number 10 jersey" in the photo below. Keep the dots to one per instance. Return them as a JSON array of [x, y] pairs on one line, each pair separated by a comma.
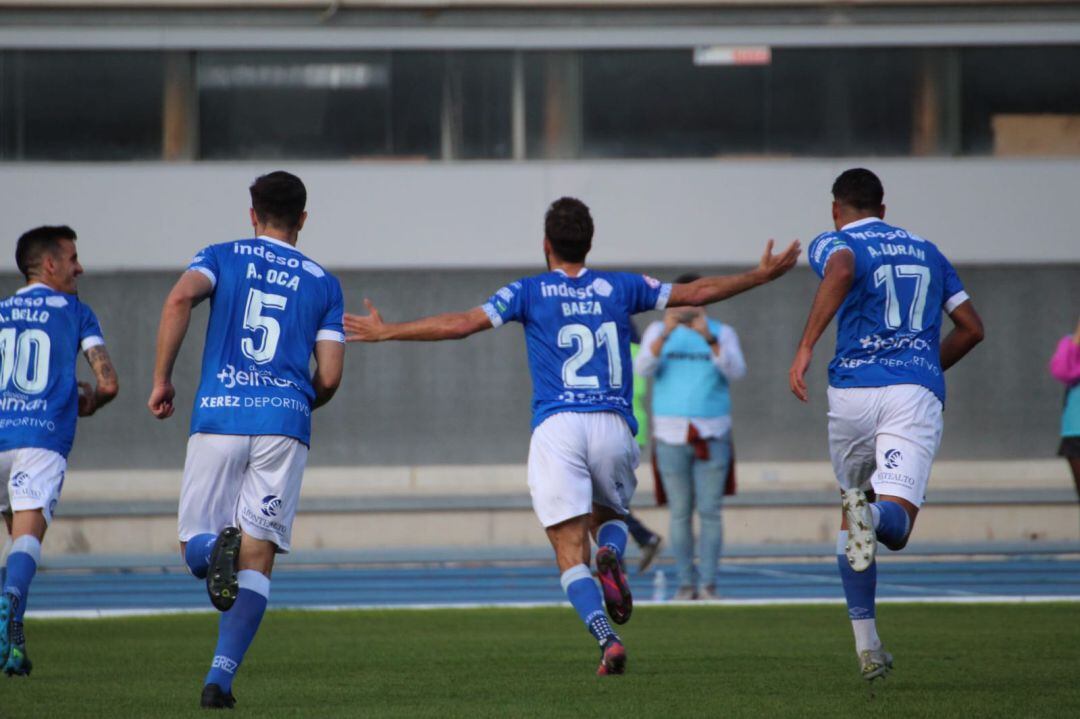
[[582, 454]]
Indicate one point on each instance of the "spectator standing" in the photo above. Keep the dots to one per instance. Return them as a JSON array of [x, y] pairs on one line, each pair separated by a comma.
[[1065, 366], [692, 359]]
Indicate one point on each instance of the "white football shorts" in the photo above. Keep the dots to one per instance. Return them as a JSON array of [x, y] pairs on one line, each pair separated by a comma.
[[250, 482], [31, 478], [577, 459], [884, 437]]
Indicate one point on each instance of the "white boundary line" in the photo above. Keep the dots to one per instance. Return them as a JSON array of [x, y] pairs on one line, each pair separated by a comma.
[[150, 612]]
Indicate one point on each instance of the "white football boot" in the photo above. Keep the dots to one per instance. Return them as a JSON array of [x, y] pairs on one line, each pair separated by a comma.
[[862, 542], [874, 663]]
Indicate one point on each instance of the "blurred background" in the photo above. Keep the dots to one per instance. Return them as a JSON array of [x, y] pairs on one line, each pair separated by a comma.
[[432, 135]]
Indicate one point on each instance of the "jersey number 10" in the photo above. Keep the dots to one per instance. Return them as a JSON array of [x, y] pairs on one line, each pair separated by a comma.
[[921, 275], [25, 359]]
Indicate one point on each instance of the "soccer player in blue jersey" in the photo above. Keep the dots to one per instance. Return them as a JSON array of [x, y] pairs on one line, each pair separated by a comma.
[[886, 384], [271, 310], [43, 327], [582, 455]]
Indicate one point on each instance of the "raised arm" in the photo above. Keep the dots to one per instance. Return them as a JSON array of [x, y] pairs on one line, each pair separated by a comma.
[[448, 326], [713, 289], [191, 289], [106, 386], [967, 332], [839, 274]]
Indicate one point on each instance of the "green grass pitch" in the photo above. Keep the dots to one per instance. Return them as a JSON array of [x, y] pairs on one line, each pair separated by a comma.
[[951, 660]]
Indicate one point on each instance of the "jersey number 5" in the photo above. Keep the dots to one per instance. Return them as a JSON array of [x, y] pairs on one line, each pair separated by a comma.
[[607, 336], [25, 359], [267, 329], [921, 275]]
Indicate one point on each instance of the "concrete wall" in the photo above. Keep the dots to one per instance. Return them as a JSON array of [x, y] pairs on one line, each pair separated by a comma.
[[467, 402], [489, 214]]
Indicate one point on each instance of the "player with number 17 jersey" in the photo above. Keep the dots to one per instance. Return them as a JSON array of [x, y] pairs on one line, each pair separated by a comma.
[[577, 335], [889, 326], [270, 305]]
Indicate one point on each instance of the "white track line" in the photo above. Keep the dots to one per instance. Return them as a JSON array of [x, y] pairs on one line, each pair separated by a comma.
[[835, 582], [150, 612]]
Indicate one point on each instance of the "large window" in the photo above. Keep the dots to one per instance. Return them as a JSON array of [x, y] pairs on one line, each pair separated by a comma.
[[80, 105], [568, 104]]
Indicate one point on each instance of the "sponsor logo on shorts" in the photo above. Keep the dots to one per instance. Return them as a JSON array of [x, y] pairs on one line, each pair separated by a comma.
[[19, 479], [224, 663], [651, 281], [895, 478], [270, 505], [893, 458]]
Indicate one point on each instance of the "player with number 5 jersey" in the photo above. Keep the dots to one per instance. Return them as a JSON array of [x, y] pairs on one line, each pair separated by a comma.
[[886, 382], [582, 454], [43, 327], [271, 310]]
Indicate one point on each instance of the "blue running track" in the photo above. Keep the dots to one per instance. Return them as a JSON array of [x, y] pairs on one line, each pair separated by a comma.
[[75, 592]]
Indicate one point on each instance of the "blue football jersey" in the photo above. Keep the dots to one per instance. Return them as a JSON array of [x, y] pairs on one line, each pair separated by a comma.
[[41, 333], [577, 333], [889, 326], [270, 305]]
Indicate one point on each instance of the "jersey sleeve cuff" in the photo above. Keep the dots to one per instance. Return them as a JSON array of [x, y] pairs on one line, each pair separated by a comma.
[[956, 300], [90, 342], [493, 315], [330, 336], [664, 296], [209, 275]]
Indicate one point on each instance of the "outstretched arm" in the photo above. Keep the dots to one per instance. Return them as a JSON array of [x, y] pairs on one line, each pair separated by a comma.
[[448, 326], [191, 289], [839, 274], [92, 398], [713, 289], [967, 332]]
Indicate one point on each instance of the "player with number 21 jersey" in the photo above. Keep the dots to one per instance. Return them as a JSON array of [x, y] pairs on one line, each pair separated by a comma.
[[582, 452]]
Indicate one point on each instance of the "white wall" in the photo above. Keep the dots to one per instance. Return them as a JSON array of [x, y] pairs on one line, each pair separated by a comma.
[[379, 215]]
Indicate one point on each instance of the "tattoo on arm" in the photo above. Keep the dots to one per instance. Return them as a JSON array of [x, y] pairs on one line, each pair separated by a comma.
[[104, 373]]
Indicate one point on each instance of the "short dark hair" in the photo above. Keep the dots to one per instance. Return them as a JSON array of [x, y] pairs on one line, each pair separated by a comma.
[[687, 277], [569, 228], [278, 199], [36, 243], [858, 188]]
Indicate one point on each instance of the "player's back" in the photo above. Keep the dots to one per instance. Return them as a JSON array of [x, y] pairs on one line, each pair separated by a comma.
[[41, 333], [889, 326], [577, 333], [269, 306]]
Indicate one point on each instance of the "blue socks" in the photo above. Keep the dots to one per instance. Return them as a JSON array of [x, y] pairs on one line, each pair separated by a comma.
[[584, 595], [891, 523], [860, 588], [238, 626], [22, 564], [613, 534], [197, 554]]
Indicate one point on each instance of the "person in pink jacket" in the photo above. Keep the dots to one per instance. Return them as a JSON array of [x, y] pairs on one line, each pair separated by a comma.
[[1065, 366]]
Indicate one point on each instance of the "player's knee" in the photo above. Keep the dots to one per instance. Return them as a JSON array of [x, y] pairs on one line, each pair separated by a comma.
[[897, 544]]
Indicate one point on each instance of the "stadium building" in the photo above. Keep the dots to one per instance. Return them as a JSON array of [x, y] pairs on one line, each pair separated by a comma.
[[432, 135]]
